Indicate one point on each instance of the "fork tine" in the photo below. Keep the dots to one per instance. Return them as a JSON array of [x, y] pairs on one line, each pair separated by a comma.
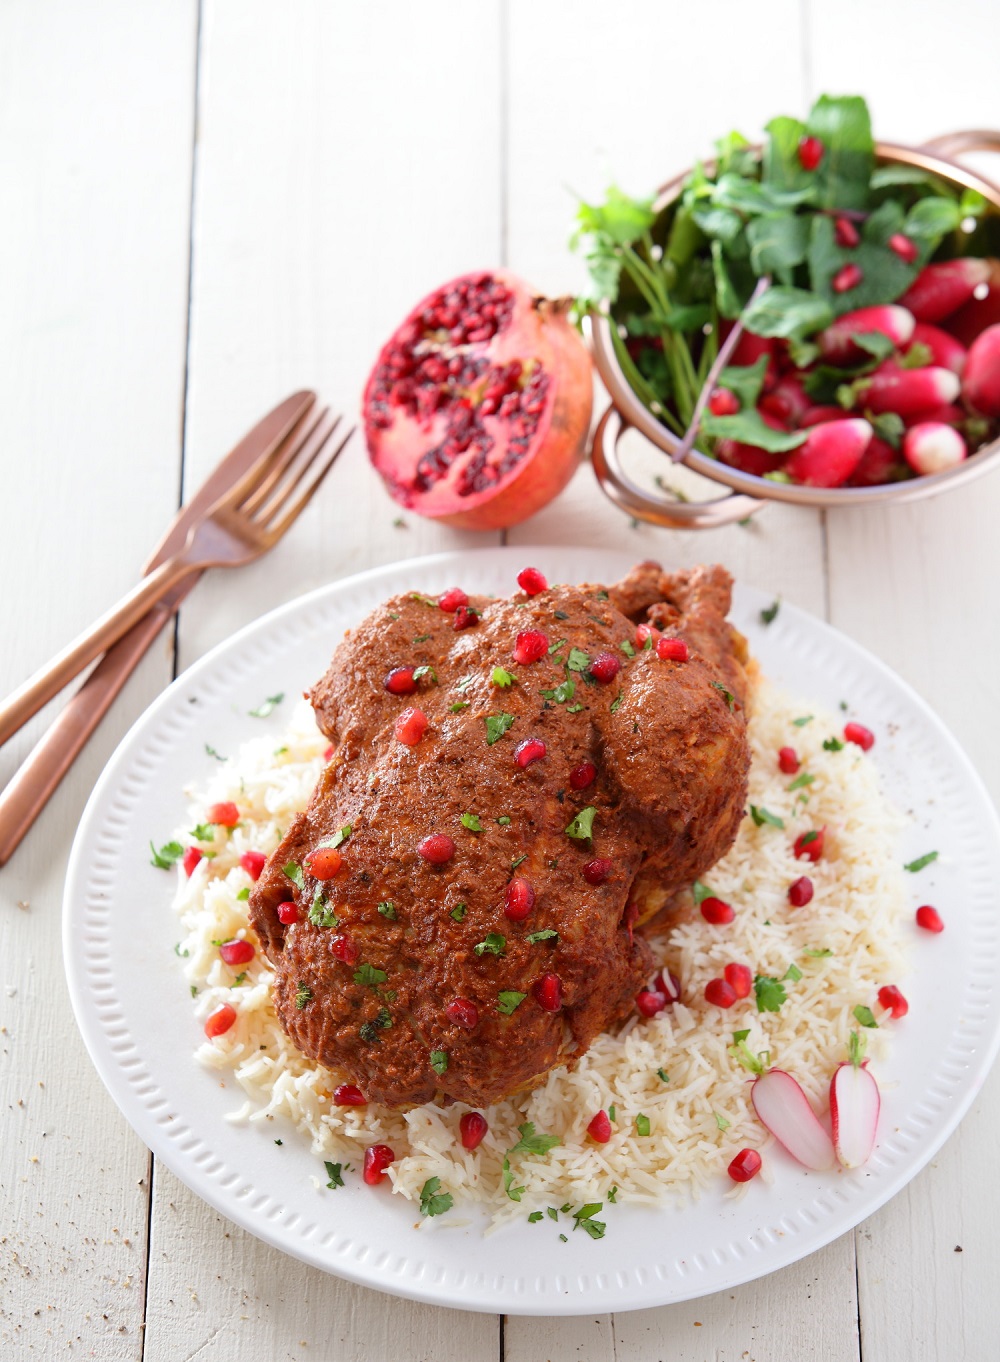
[[256, 494], [280, 455], [296, 470], [320, 468]]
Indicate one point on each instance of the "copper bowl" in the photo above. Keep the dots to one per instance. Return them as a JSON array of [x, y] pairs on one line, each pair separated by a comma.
[[749, 493]]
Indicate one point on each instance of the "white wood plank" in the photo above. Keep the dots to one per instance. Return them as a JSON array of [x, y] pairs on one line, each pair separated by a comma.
[[96, 122]]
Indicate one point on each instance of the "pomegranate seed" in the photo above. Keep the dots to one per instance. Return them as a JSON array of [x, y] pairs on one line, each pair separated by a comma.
[[893, 1001], [904, 247], [723, 403], [669, 985], [518, 900], [324, 863], [400, 681], [788, 760], [288, 912], [530, 580], [226, 815], [598, 870], [672, 649], [253, 863], [605, 667], [599, 1128], [857, 733], [740, 979], [582, 776], [650, 1001], [191, 858], [810, 151], [548, 992], [377, 1159], [645, 631], [929, 918], [449, 601], [531, 644], [328, 752], [846, 233], [463, 1012], [347, 1095], [438, 848], [531, 749], [847, 277], [219, 1021], [809, 845], [800, 891], [465, 618], [719, 993], [471, 1128], [237, 952], [745, 1166], [411, 726], [716, 911], [345, 950]]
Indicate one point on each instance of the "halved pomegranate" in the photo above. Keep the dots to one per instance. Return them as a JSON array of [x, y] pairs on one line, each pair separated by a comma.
[[478, 407]]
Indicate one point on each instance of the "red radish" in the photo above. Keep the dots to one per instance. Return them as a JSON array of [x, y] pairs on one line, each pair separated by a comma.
[[438, 848], [598, 870], [946, 351], [847, 277], [809, 845], [650, 1001], [226, 815], [787, 401], [463, 1012], [740, 979], [449, 601], [547, 991], [253, 863], [599, 1128], [846, 233], [830, 454], [471, 1129], [723, 402], [582, 776], [800, 891], [909, 391], [815, 416], [788, 761], [948, 414], [529, 646], [720, 993], [604, 668], [349, 1095], [810, 151], [893, 1001], [716, 911], [288, 912], [377, 1159], [518, 900], [527, 751], [324, 863], [218, 1022], [745, 1165], [400, 681], [932, 447], [879, 463], [531, 581], [672, 650], [837, 345], [190, 859], [854, 1109], [905, 248], [860, 736], [749, 347], [982, 309], [751, 458], [237, 952], [411, 725], [929, 918], [644, 632], [939, 290], [981, 386], [784, 1110]]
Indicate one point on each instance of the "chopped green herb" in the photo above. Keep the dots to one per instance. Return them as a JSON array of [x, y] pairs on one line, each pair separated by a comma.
[[770, 993], [647, 644], [843, 705], [740, 1035], [432, 1200], [388, 909], [530, 1143], [518, 859], [792, 974], [504, 820], [266, 707], [552, 1213], [439, 1061], [663, 1075], [167, 855], [701, 891], [458, 706], [471, 821], [725, 692], [534, 1217], [280, 751], [821, 954], [420, 638], [508, 1001], [582, 826], [496, 726], [303, 995], [321, 914], [613, 1195], [561, 693], [399, 524], [212, 753], [642, 1124], [616, 703], [808, 837], [865, 1016], [502, 678], [920, 862], [554, 647], [761, 816], [243, 894], [578, 660], [465, 682], [424, 600], [770, 613], [584, 1218], [754, 1064], [801, 780], [562, 1236], [720, 1120], [801, 723], [545, 935], [627, 648], [574, 709], [560, 614], [333, 1172], [508, 1179], [832, 745], [602, 595], [194, 991], [495, 944], [420, 672], [458, 912], [183, 954], [612, 1112], [338, 838], [367, 976], [239, 979], [203, 832], [294, 872]]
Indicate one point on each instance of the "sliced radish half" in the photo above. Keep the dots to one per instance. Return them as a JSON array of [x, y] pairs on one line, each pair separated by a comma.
[[854, 1108], [784, 1109]]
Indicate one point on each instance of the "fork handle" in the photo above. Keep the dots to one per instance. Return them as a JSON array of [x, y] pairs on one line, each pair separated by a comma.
[[39, 689]]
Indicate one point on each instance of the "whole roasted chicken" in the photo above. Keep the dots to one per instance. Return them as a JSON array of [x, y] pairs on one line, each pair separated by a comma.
[[516, 786]]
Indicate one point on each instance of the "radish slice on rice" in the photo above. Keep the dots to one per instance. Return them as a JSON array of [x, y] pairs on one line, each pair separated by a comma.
[[854, 1108], [784, 1109]]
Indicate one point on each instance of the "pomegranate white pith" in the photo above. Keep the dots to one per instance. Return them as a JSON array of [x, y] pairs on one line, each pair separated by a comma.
[[477, 410]]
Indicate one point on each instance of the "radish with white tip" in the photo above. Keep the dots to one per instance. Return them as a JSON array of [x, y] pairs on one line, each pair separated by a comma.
[[981, 386], [939, 290], [837, 343], [854, 1108], [784, 1109], [908, 392], [932, 447]]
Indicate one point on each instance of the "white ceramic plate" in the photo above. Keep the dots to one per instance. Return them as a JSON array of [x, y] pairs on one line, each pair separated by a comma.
[[133, 1007]]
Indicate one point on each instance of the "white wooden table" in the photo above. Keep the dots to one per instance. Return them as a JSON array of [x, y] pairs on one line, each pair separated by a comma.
[[206, 206]]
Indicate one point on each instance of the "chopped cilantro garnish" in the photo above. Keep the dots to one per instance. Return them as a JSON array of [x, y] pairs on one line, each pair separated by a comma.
[[303, 995], [495, 944], [465, 682], [239, 979], [439, 1061], [508, 1179], [574, 709], [546, 935], [561, 693], [613, 1194], [431, 1201], [266, 706], [183, 954], [194, 991], [497, 725], [420, 672], [458, 706], [770, 612], [584, 1218], [338, 838], [725, 692], [578, 660], [832, 745], [554, 647], [321, 914], [582, 826], [627, 648], [458, 912], [167, 855], [294, 872], [203, 832], [805, 719], [792, 974], [518, 859], [534, 1217], [509, 1001], [642, 1124], [502, 678], [612, 1112], [770, 993], [560, 614], [504, 820], [333, 1171], [212, 753], [865, 1016], [808, 837], [530, 1143], [801, 780], [471, 821], [920, 862], [701, 891], [721, 1121], [819, 954], [368, 976], [761, 816], [388, 909], [424, 600], [616, 702], [562, 1236], [552, 1213], [740, 1035]]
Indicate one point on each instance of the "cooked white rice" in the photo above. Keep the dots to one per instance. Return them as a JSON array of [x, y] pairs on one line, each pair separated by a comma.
[[701, 1114]]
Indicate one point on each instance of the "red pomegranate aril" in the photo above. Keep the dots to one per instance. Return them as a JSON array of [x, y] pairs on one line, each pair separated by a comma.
[[846, 233], [288, 912], [672, 650], [740, 979], [800, 891], [745, 1165], [846, 278], [518, 900], [400, 681], [217, 1023], [324, 863], [809, 845], [438, 848], [237, 952], [349, 1095], [857, 733], [471, 1129], [604, 668], [328, 752], [929, 918], [226, 815], [377, 1159], [719, 993], [547, 991], [716, 911], [190, 859], [905, 248], [582, 776], [893, 1001], [643, 632], [788, 760], [723, 402], [449, 601], [410, 727], [649, 1001], [253, 863], [465, 618], [463, 1012], [598, 870], [531, 581], [530, 645], [345, 950], [599, 1127], [810, 151], [531, 749]]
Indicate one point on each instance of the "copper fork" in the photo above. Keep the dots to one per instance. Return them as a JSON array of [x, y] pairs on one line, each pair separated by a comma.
[[243, 524]]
